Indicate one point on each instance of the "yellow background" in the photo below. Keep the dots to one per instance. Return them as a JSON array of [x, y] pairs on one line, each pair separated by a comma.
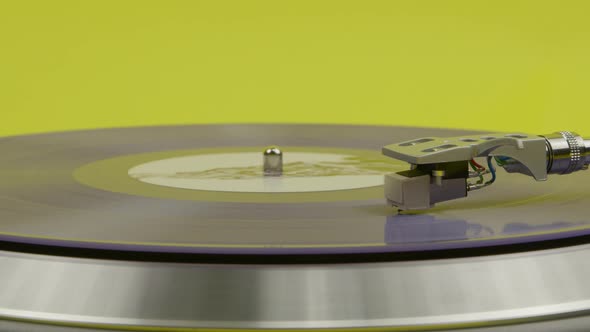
[[497, 65]]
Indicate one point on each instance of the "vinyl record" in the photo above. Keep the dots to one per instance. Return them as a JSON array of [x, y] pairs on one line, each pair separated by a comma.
[[168, 193]]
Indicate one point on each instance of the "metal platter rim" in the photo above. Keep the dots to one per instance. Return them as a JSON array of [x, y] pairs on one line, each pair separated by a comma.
[[466, 292]]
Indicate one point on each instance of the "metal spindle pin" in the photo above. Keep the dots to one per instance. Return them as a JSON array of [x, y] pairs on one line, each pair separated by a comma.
[[273, 161]]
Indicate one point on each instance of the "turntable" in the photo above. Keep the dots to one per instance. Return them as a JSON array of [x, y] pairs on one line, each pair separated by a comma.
[[294, 228]]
